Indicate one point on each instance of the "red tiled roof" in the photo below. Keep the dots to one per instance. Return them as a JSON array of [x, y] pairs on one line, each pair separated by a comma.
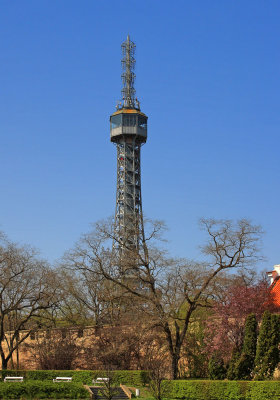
[[275, 290]]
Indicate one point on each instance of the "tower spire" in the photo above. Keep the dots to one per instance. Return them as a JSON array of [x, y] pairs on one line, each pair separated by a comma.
[[128, 76]]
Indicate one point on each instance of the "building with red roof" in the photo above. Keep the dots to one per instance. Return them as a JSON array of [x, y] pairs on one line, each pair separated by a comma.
[[275, 284]]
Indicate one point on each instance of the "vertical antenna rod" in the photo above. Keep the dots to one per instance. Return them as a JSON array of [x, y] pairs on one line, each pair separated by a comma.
[[128, 76]]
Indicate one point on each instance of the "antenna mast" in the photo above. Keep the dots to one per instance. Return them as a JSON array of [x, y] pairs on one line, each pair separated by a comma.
[[128, 76]]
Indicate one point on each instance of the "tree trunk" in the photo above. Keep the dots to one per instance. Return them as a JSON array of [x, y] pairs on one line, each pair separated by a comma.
[[4, 363], [174, 349], [175, 369]]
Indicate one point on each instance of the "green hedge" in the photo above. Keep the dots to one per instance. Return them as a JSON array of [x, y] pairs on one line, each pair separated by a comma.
[[222, 390], [269, 390], [132, 378], [41, 387], [42, 390]]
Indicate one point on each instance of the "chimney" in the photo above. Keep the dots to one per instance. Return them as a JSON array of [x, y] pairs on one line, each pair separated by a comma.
[[277, 269], [274, 274]]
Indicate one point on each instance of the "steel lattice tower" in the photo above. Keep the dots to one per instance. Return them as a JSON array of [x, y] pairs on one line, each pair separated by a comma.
[[128, 130]]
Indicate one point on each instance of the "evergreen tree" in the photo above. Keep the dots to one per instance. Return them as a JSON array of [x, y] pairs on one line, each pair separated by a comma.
[[273, 354], [245, 364], [267, 354], [231, 371], [216, 368]]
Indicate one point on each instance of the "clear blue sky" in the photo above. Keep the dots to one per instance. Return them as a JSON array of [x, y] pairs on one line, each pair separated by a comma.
[[207, 77]]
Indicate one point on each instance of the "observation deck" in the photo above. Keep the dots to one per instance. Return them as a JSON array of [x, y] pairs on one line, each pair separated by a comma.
[[128, 122]]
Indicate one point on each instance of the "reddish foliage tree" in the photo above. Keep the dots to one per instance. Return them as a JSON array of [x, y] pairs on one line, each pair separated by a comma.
[[225, 327]]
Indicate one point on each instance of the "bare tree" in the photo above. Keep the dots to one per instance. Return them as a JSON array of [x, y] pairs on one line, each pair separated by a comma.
[[109, 388], [88, 298], [168, 290], [55, 351], [119, 346], [28, 289], [158, 372], [78, 303]]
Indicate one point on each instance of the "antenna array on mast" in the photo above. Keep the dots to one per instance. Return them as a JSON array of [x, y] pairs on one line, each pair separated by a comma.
[[128, 76]]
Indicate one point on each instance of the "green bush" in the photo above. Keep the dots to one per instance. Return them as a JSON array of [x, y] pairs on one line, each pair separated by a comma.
[[49, 375], [245, 365], [259, 390], [267, 353], [222, 390], [216, 368], [42, 390], [180, 389], [235, 356], [191, 390], [132, 378]]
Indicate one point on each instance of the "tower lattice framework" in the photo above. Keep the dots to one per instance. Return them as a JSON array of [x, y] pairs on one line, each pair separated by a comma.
[[128, 131]]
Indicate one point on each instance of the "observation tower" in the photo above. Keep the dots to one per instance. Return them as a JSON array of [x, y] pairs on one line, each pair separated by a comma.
[[128, 131]]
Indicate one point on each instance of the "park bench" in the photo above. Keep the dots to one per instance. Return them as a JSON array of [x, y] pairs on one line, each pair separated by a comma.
[[13, 379], [101, 380], [62, 379]]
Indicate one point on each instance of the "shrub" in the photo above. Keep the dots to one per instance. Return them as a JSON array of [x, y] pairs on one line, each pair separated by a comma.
[[245, 365], [267, 354], [55, 353], [132, 378], [49, 375], [231, 371], [216, 368], [221, 390], [42, 390], [268, 390], [191, 390]]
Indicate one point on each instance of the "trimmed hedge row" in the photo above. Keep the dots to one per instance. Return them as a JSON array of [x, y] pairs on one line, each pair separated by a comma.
[[222, 390], [42, 390], [132, 378]]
